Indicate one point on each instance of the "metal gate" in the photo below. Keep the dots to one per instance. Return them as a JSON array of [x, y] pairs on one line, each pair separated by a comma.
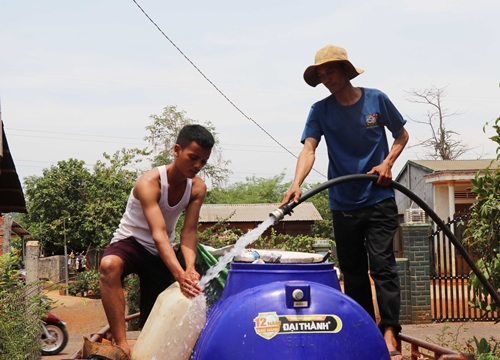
[[449, 277]]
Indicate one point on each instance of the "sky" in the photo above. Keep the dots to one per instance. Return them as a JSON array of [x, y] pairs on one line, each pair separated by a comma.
[[80, 78]]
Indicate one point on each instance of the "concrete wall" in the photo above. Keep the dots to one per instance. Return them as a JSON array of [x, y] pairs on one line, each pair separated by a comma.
[[441, 203], [52, 268], [31, 261]]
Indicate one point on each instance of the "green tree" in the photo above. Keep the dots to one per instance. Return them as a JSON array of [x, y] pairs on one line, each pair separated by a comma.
[[56, 203], [163, 133], [254, 190], [483, 229], [112, 181], [86, 205]]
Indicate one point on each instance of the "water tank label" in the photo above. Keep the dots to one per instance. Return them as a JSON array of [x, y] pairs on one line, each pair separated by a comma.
[[271, 324]]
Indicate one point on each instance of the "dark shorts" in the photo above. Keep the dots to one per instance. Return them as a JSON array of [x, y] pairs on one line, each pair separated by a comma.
[[153, 273]]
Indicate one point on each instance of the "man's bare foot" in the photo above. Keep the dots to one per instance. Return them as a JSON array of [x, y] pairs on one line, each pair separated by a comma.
[[392, 343]]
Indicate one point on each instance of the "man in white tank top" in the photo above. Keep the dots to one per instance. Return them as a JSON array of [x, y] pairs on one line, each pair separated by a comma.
[[143, 242]]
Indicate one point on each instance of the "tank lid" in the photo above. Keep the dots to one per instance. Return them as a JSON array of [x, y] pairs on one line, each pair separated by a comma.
[[277, 256]]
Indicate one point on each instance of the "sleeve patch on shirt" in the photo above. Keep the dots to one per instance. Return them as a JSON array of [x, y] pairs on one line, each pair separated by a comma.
[[371, 120]]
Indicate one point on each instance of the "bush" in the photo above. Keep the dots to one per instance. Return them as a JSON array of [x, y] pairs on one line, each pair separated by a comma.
[[219, 235], [132, 290], [486, 350], [86, 283], [21, 311], [483, 349], [300, 243], [483, 229]]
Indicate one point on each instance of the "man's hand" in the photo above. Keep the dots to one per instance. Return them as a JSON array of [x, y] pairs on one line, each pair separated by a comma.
[[188, 282], [384, 170], [293, 193], [384, 174]]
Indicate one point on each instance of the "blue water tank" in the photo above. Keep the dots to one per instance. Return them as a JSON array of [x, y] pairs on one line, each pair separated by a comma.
[[244, 276], [287, 315]]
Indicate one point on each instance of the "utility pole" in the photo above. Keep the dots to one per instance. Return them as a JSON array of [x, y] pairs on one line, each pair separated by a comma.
[[65, 257]]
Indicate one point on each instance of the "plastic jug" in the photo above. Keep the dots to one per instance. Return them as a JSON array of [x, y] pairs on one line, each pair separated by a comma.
[[172, 328]]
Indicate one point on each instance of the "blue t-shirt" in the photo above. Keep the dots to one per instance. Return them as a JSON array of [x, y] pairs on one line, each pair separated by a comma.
[[356, 141]]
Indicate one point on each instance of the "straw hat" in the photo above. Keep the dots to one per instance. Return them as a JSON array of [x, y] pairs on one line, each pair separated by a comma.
[[327, 54]]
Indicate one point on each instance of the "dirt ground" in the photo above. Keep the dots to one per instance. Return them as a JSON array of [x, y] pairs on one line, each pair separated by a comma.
[[84, 316]]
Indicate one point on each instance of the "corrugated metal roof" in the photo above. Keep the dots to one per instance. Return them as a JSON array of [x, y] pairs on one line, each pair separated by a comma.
[[255, 212], [19, 230], [16, 230], [456, 165]]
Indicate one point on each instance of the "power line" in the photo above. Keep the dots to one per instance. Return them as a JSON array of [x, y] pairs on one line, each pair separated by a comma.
[[215, 87], [251, 146], [67, 139], [105, 136], [79, 134], [226, 146]]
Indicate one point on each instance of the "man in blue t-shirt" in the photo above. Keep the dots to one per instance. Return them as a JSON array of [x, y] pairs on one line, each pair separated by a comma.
[[353, 121]]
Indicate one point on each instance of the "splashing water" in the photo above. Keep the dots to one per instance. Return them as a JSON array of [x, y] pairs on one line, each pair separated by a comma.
[[179, 341], [240, 245]]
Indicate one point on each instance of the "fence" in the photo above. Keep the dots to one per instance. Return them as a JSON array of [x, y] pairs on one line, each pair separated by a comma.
[[449, 278], [20, 323]]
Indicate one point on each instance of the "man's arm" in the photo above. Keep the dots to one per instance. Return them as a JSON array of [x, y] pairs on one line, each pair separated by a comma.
[[189, 233], [147, 191], [305, 163], [384, 170]]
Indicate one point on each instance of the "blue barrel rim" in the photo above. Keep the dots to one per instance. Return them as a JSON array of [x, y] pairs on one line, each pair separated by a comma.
[[274, 266]]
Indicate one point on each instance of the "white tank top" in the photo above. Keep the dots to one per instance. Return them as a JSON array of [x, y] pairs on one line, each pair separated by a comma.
[[133, 222]]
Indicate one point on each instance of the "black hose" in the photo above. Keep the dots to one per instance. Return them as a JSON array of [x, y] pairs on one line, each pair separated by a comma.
[[286, 209]]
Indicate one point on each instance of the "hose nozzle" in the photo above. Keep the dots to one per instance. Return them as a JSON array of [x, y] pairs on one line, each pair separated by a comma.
[[280, 213]]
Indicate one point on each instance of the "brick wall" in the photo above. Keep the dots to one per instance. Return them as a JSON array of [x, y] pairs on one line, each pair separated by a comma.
[[404, 278], [414, 271]]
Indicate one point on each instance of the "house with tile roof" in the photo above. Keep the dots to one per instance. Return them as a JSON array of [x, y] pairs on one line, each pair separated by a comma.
[[246, 217], [445, 185]]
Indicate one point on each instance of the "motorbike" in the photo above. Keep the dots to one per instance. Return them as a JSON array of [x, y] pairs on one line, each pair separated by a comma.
[[54, 334]]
